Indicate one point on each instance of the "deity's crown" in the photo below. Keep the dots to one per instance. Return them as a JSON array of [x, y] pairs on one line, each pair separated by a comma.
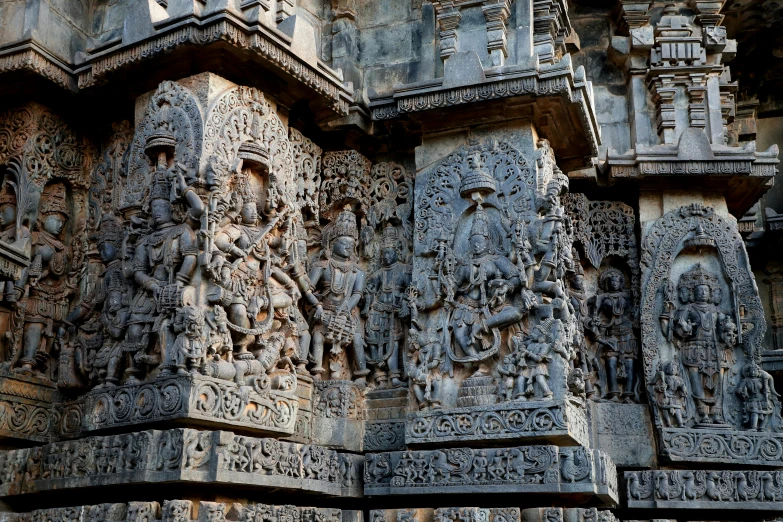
[[698, 276], [244, 189], [53, 200], [346, 225], [161, 186], [390, 237], [110, 230], [7, 195], [480, 226], [700, 237]]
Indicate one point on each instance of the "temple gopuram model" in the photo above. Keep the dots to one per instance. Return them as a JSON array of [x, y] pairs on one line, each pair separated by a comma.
[[391, 261]]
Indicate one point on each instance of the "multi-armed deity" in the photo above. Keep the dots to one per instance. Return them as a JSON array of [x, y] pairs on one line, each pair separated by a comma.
[[702, 348], [495, 258]]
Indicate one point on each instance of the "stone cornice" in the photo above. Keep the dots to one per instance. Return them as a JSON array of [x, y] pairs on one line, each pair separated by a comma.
[[558, 79], [269, 45], [31, 57]]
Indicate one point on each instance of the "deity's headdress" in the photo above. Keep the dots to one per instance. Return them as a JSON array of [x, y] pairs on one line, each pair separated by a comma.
[[698, 276], [390, 238], [110, 230], [161, 186], [346, 225], [53, 200], [480, 226]]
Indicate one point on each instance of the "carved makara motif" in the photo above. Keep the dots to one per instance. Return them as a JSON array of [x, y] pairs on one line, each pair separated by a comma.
[[702, 328]]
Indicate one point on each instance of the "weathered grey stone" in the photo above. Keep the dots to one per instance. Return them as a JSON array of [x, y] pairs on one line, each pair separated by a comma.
[[523, 470]]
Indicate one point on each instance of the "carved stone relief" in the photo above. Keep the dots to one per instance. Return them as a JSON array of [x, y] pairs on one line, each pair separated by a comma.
[[492, 321], [702, 329]]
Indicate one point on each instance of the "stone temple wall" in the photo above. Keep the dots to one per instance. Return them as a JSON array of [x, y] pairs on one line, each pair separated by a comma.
[[399, 261]]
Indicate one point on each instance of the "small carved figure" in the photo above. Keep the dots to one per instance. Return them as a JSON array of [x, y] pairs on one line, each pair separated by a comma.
[[757, 391], [670, 395], [537, 356], [425, 368], [339, 284], [612, 327], [508, 374], [189, 346], [387, 307]]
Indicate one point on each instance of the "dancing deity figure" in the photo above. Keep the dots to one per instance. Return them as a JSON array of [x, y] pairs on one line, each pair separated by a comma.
[[338, 285], [387, 307], [244, 263], [612, 327], [704, 335]]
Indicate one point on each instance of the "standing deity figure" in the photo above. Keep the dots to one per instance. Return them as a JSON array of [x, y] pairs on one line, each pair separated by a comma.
[[757, 391], [704, 335], [12, 232], [243, 260], [338, 285], [387, 306], [49, 287], [101, 316], [163, 265], [612, 327], [482, 283], [670, 394]]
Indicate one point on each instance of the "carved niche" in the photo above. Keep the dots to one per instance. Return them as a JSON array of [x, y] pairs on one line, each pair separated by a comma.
[[604, 292], [44, 207], [492, 244], [360, 270], [702, 330]]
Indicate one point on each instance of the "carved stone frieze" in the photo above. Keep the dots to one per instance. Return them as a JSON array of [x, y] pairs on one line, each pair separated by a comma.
[[178, 511], [705, 489], [180, 455], [474, 514], [519, 470], [553, 421], [197, 399]]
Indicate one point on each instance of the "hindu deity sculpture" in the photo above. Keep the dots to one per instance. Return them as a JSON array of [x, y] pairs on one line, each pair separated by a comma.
[[47, 278], [387, 306], [163, 265], [338, 284], [611, 324]]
